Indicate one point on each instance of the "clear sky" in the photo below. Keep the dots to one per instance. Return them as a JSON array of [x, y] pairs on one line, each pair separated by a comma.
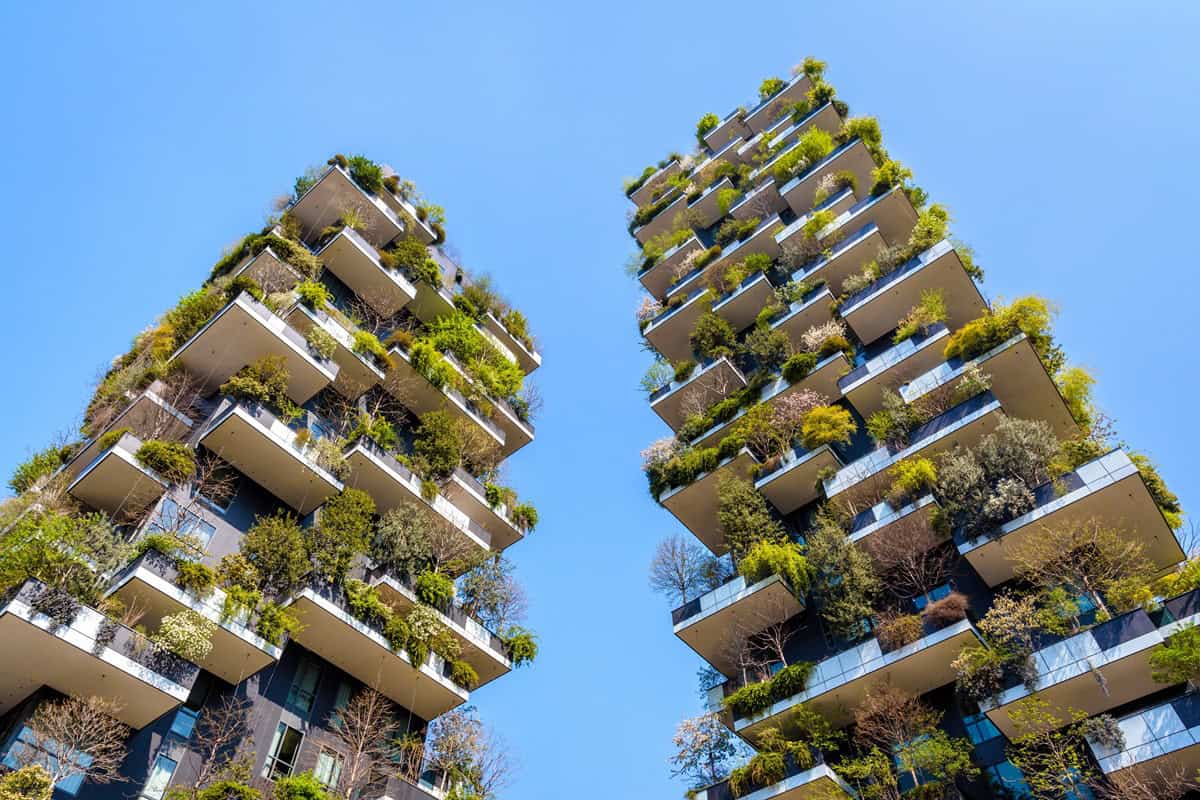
[[138, 144]]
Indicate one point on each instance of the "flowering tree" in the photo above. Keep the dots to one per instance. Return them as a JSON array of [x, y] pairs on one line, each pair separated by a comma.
[[704, 748], [660, 451]]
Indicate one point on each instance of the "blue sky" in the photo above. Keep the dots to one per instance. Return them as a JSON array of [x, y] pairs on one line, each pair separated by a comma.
[[137, 145]]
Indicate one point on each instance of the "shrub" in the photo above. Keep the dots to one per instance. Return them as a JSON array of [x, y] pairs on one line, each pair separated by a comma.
[[896, 630], [707, 123], [228, 790], [826, 425], [1178, 660], [300, 787], [791, 680], [411, 256], [1029, 315], [887, 175], [435, 369], [524, 516], [339, 533], [243, 283], [776, 558], [365, 604], [367, 344], [910, 476], [743, 516], [195, 577], [950, 609], [27, 783], [464, 675], [377, 429], [764, 769], [38, 466], [187, 635], [1167, 501], [314, 294], [770, 87], [174, 461], [439, 444], [274, 621], [366, 173], [732, 230], [749, 699], [923, 316], [434, 588], [56, 604], [320, 342], [979, 671], [263, 381], [274, 546], [712, 336], [799, 366], [521, 644]]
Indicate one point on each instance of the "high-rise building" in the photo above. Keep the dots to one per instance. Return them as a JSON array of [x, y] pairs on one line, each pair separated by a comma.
[[929, 567], [277, 551]]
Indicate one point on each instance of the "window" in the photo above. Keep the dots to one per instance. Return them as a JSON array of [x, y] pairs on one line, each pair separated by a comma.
[[69, 785], [343, 696], [304, 686], [980, 729], [171, 517], [934, 594], [329, 768], [184, 723], [160, 776], [281, 758], [1008, 777]]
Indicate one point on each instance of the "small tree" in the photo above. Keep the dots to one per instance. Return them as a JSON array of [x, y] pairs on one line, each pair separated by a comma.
[[1178, 660], [75, 737], [274, 545], [843, 576], [492, 593], [340, 534], [467, 755], [679, 569], [27, 783], [743, 516], [1083, 556], [704, 747], [367, 729], [220, 741], [1148, 782], [1050, 754], [912, 558]]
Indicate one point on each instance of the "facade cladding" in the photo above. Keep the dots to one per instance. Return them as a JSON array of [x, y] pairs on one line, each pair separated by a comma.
[[283, 526], [924, 565]]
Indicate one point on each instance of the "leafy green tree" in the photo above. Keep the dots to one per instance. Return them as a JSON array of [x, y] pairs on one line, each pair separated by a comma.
[[1178, 660], [743, 516], [843, 576], [36, 467], [275, 547], [340, 534], [68, 553], [1051, 754]]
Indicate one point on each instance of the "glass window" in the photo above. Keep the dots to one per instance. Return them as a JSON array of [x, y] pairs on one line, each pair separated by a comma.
[[184, 723], [343, 696], [329, 768], [1007, 776], [70, 784], [936, 593], [160, 776], [304, 686], [980, 729], [281, 758], [171, 517]]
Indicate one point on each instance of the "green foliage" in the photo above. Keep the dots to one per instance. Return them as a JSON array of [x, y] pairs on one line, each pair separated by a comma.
[[174, 461], [732, 230], [65, 552], [681, 469], [243, 283], [1029, 315], [110, 438], [300, 787], [524, 516], [843, 576], [366, 173], [171, 544], [228, 789], [275, 546], [38, 466], [464, 675], [195, 577], [439, 444], [910, 477], [929, 311], [1178, 660], [435, 369], [763, 769], [185, 319], [434, 589], [887, 175], [314, 294], [713, 336], [1167, 501], [827, 425], [365, 604], [756, 697], [320, 342], [274, 621], [26, 783], [726, 198], [340, 533], [1052, 756], [785, 559], [799, 366], [377, 429], [521, 644], [456, 333], [684, 370], [770, 87], [812, 146], [743, 516], [707, 123], [367, 344], [263, 381], [412, 257]]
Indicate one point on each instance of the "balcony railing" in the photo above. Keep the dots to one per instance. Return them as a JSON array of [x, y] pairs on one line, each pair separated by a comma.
[[328, 199], [818, 782], [116, 482], [357, 264], [1166, 734], [90, 655]]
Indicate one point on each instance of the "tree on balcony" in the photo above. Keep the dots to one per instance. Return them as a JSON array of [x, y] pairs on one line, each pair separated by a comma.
[[75, 738], [681, 570], [704, 748], [368, 730], [467, 755], [223, 743]]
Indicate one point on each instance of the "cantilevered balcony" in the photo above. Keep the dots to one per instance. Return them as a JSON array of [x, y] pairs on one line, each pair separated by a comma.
[[357, 264], [149, 583], [470, 497], [740, 306], [863, 386], [357, 372], [391, 485], [115, 482], [1019, 380], [708, 383], [695, 503], [333, 195], [659, 276], [148, 416], [245, 331], [269, 271], [527, 357], [662, 221], [814, 309], [481, 648], [730, 128], [760, 241], [705, 208], [787, 130], [838, 683], [645, 193], [801, 191], [669, 332], [413, 389], [762, 200], [818, 782], [961, 426], [768, 111], [397, 787], [848, 252], [1109, 490], [1099, 669], [435, 301], [796, 480], [263, 448], [877, 309], [735, 609], [91, 656], [333, 633], [1159, 741], [822, 379], [408, 213]]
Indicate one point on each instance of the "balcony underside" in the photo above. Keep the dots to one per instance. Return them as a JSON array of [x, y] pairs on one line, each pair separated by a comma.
[[489, 664], [335, 194], [846, 257], [805, 315], [891, 370], [357, 265], [270, 272], [796, 482], [413, 389], [465, 495], [706, 385], [355, 373], [237, 653], [363, 653], [148, 416], [741, 308], [756, 607], [116, 483], [645, 193], [706, 208], [265, 455], [761, 201], [670, 333], [800, 193], [243, 332], [661, 274], [730, 128], [663, 221], [695, 505], [528, 360], [761, 117]]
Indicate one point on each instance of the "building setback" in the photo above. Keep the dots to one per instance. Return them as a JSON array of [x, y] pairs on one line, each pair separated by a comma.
[[925, 556], [286, 495]]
